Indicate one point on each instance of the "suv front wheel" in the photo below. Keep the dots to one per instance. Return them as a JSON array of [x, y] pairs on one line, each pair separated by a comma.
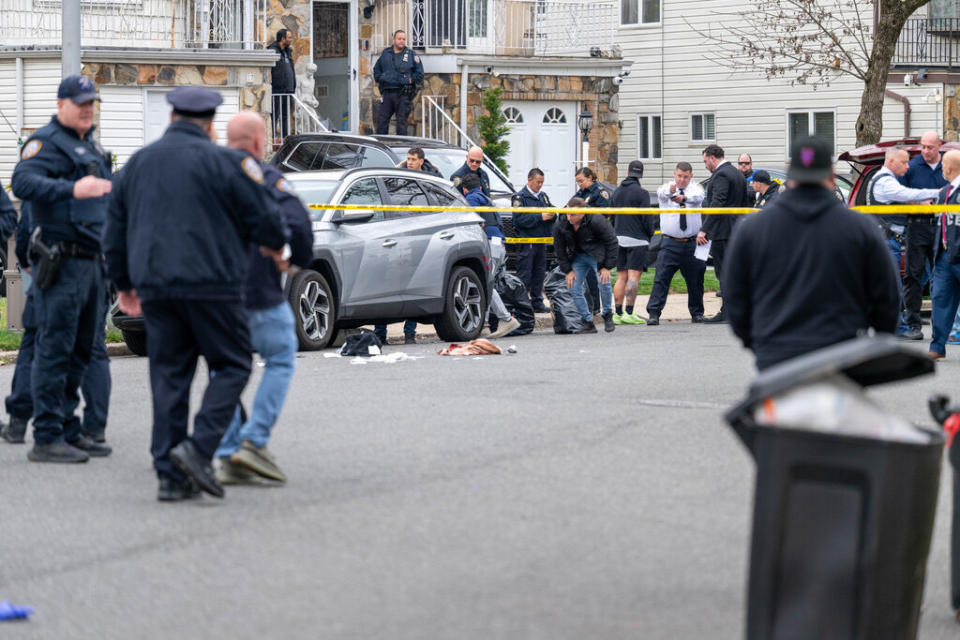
[[464, 307], [314, 310]]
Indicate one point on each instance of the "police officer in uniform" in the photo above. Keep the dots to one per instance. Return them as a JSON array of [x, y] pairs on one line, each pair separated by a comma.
[[473, 164], [181, 217], [594, 195], [532, 258], [64, 174], [399, 72]]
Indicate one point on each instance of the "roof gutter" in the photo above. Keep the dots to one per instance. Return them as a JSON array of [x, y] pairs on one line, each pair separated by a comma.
[[906, 110]]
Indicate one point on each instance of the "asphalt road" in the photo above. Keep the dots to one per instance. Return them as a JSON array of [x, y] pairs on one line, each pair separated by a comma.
[[585, 487]]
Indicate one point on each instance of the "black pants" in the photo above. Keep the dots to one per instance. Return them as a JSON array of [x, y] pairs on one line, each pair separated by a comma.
[[531, 268], [675, 255], [178, 331], [393, 102], [921, 238], [718, 249], [281, 114]]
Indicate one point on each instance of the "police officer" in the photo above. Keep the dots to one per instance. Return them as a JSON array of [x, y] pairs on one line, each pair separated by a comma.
[[399, 72], [473, 164], [594, 195], [532, 258], [807, 231], [64, 173], [182, 214]]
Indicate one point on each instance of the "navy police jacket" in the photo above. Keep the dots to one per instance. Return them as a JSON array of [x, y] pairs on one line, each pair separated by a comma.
[[23, 236], [52, 160], [263, 289], [595, 195], [182, 215], [531, 225], [919, 175], [397, 70], [457, 176]]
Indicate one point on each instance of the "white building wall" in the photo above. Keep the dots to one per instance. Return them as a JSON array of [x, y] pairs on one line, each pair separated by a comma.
[[40, 78], [674, 75]]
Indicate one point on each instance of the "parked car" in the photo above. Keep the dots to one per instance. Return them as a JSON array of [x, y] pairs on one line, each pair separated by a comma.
[[376, 267]]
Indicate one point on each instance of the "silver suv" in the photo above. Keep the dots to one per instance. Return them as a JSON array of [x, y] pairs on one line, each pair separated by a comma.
[[382, 267]]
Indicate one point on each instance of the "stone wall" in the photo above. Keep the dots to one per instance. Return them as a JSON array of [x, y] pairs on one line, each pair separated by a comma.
[[951, 113]]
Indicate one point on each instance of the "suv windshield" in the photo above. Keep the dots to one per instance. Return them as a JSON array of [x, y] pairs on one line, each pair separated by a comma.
[[449, 160], [314, 192]]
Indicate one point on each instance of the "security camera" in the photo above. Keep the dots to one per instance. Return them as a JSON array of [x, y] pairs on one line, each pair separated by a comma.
[[618, 80], [625, 73], [489, 69], [907, 80]]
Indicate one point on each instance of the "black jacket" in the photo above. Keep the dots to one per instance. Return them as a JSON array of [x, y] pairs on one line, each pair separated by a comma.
[[594, 237], [773, 191], [631, 194], [727, 188], [182, 214], [284, 76], [806, 273], [531, 225], [397, 70]]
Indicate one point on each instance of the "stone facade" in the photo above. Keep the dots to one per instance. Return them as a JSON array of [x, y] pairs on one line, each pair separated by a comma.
[[295, 15], [951, 113]]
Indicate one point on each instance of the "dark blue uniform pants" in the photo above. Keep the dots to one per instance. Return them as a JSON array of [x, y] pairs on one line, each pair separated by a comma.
[[67, 315], [531, 267], [95, 387], [393, 102], [718, 249], [178, 332], [675, 255]]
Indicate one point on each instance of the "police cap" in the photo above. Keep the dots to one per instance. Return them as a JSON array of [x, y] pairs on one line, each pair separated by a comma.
[[194, 102], [78, 88]]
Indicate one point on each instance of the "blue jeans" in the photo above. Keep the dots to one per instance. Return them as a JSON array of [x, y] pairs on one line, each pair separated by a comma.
[[946, 298], [273, 336], [896, 250], [956, 324], [584, 266]]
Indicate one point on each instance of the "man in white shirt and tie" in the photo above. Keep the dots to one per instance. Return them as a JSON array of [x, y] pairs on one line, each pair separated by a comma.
[[679, 231]]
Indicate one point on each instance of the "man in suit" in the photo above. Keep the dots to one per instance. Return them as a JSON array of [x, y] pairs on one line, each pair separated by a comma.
[[727, 188], [946, 272]]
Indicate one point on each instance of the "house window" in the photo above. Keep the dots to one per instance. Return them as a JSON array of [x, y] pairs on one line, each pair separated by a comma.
[[703, 127], [649, 138], [512, 115], [554, 116], [634, 12], [807, 123]]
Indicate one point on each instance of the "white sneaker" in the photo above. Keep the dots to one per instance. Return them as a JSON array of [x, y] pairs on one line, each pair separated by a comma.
[[505, 328]]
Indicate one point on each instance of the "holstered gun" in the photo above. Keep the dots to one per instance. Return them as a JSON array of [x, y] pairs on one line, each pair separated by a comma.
[[45, 261]]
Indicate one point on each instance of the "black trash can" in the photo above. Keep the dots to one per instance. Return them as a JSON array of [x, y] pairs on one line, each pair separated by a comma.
[[843, 512]]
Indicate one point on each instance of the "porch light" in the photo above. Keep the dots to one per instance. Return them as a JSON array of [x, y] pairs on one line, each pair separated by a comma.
[[585, 122]]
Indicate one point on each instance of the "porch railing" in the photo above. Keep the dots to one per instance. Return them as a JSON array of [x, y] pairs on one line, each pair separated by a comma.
[[502, 27], [141, 23], [292, 116], [437, 123], [928, 42]]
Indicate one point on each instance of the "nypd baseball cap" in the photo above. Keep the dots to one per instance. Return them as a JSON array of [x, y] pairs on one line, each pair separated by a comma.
[[79, 89], [810, 160]]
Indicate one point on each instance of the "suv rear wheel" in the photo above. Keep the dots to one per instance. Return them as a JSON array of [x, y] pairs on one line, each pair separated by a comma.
[[464, 307], [313, 309]]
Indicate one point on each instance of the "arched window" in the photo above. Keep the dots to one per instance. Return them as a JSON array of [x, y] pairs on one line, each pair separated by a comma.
[[554, 116]]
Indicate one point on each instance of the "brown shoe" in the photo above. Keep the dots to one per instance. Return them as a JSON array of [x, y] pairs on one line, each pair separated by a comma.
[[936, 356]]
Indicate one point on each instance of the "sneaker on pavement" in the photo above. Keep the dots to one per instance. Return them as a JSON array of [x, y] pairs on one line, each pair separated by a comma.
[[653, 320], [197, 467], [410, 339], [93, 449], [632, 319], [588, 328], [608, 323], [174, 491], [618, 319], [258, 460], [505, 328], [954, 338], [16, 431], [230, 473], [913, 333], [58, 451]]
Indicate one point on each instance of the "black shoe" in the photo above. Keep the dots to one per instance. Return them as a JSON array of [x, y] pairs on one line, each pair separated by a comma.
[[720, 318], [58, 451], [541, 309], [608, 325], [97, 436], [697, 319], [198, 468], [93, 449], [913, 333], [409, 340], [653, 320], [15, 432], [173, 491], [589, 328]]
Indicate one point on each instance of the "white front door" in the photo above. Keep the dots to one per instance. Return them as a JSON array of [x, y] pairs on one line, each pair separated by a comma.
[[543, 135], [157, 113]]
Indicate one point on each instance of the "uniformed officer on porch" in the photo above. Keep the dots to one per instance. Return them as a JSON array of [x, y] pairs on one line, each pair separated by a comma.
[[398, 72], [64, 174]]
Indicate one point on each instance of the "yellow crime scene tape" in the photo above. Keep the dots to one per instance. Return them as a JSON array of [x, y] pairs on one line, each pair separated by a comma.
[[916, 209]]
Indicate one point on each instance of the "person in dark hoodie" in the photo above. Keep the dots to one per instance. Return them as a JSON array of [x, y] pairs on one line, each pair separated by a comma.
[[807, 272], [633, 234], [242, 453]]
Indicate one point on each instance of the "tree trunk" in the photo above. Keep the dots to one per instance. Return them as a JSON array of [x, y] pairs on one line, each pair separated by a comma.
[[893, 15]]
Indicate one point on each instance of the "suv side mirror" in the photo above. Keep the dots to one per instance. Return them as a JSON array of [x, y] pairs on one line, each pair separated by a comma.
[[351, 215]]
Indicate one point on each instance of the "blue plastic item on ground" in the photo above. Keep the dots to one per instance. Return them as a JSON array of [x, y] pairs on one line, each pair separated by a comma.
[[13, 612]]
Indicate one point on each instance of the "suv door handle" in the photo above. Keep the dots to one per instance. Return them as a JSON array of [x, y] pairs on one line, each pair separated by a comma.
[[389, 243], [446, 235]]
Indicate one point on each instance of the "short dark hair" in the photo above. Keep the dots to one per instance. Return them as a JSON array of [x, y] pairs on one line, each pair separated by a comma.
[[576, 203], [282, 34], [533, 173], [416, 151], [398, 31], [470, 181], [684, 166], [714, 151], [586, 172]]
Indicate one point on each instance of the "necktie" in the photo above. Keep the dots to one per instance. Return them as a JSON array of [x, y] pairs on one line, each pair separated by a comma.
[[683, 216], [943, 218]]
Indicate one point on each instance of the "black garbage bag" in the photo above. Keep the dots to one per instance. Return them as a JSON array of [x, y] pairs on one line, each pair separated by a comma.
[[566, 317], [515, 298], [358, 344]]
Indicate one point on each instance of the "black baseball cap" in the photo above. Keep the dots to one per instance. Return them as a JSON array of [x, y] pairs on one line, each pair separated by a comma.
[[810, 160], [762, 176], [78, 88], [194, 102], [635, 169]]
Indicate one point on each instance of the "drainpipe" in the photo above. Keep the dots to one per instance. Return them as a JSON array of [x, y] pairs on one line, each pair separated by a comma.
[[906, 110], [19, 102], [464, 76]]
